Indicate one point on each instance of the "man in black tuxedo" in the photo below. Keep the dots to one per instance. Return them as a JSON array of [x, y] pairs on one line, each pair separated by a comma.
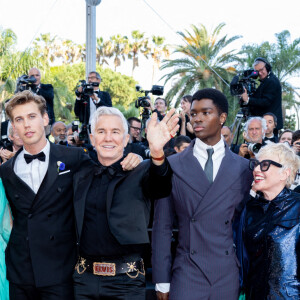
[[112, 208], [41, 252], [44, 90], [84, 109]]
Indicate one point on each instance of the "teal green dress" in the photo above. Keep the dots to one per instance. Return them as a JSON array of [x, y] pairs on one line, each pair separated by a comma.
[[5, 228]]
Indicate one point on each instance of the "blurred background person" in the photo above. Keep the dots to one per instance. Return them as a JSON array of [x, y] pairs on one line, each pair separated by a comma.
[[45, 90], [135, 127], [296, 141], [15, 144], [271, 227], [271, 122], [181, 143], [254, 133], [267, 97], [227, 135], [83, 110], [59, 132], [184, 122], [286, 136]]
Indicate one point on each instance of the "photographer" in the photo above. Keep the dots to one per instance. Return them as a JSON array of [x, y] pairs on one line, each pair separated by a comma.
[[254, 133], [160, 107], [9, 149], [86, 105], [267, 97], [44, 90], [59, 132]]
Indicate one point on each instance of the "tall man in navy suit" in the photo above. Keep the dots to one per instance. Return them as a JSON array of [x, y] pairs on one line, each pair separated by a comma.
[[209, 185]]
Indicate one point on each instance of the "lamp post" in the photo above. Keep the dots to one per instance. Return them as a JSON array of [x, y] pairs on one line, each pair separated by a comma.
[[90, 64]]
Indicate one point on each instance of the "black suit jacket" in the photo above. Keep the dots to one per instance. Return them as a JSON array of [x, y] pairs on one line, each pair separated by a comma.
[[80, 107], [267, 98], [47, 92], [42, 249], [128, 200]]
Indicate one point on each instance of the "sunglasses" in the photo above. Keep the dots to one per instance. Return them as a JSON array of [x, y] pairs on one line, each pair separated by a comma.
[[264, 164]]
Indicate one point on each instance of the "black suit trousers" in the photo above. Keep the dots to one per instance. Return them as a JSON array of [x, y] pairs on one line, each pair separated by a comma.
[[88, 286], [62, 291]]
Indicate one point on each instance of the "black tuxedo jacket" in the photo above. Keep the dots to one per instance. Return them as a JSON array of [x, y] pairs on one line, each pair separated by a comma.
[[42, 246], [79, 107], [128, 200]]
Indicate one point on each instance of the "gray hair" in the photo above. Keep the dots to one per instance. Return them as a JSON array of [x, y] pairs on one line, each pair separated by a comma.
[[97, 74], [286, 156], [262, 122], [258, 62], [107, 111]]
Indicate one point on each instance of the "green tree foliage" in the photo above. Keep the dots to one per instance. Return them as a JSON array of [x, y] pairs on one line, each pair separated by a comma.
[[202, 53], [284, 56]]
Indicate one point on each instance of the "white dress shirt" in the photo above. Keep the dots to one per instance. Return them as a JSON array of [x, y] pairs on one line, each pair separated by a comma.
[[93, 103], [200, 153], [34, 172]]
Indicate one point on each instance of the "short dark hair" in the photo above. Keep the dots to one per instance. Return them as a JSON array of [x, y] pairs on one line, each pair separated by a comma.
[[272, 115], [218, 98], [159, 98], [180, 140], [131, 119], [24, 98], [296, 136], [286, 130], [187, 98]]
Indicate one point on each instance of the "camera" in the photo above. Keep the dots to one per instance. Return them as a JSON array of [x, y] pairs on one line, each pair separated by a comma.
[[246, 79], [5, 143], [25, 82], [87, 89], [75, 125], [254, 147], [156, 90]]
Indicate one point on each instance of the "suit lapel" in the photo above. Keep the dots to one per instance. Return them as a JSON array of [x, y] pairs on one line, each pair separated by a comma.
[[187, 167], [227, 175], [19, 185], [82, 184]]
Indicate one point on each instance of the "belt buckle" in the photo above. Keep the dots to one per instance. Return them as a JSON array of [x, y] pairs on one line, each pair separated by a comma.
[[104, 269]]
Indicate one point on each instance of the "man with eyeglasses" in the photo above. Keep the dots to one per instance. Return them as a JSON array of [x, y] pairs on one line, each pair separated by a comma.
[[135, 127], [267, 97], [99, 98]]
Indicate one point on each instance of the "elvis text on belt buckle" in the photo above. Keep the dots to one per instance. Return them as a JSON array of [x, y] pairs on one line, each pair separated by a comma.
[[104, 269]]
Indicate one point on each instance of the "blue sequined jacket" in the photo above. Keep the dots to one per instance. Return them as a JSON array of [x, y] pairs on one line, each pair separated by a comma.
[[270, 251]]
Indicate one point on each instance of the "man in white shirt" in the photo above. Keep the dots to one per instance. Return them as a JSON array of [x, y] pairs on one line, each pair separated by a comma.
[[99, 98], [209, 185]]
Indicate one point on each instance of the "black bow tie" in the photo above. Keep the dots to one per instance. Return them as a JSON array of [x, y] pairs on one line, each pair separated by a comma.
[[29, 158], [110, 170]]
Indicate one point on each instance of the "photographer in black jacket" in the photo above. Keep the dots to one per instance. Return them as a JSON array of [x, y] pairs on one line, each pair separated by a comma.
[[267, 97], [96, 100], [44, 90]]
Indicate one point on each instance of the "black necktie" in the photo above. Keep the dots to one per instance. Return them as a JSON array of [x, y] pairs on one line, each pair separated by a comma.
[[209, 165], [40, 156]]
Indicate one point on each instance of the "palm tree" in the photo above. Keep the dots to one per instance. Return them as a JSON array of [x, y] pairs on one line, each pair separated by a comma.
[[120, 48], [139, 45], [158, 51], [284, 56], [203, 62]]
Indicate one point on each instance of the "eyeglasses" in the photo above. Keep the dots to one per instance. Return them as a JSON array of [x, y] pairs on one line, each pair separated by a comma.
[[264, 164], [260, 70], [135, 128]]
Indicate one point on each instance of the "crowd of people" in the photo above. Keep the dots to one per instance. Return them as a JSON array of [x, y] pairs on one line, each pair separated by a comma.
[[76, 201]]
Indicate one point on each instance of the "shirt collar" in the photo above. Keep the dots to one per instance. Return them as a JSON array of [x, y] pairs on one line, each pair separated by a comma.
[[46, 149], [200, 147]]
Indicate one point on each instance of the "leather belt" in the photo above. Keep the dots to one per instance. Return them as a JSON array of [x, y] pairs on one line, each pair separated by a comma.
[[110, 268]]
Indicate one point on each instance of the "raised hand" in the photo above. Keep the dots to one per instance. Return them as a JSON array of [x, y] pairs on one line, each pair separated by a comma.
[[159, 133]]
